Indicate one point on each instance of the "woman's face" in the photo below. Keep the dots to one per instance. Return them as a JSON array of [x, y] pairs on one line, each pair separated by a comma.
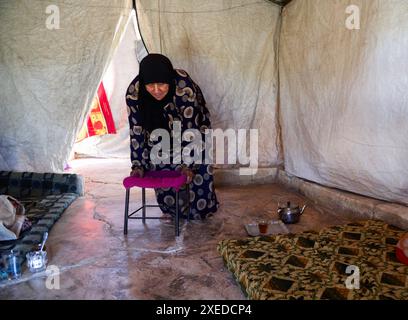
[[158, 90]]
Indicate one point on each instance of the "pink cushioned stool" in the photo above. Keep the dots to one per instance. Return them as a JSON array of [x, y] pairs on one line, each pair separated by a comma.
[[154, 179]]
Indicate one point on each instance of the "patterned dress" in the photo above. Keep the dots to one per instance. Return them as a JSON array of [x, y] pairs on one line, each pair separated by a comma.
[[188, 107]]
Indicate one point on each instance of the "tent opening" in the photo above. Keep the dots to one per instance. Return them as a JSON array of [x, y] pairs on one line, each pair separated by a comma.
[[104, 132]]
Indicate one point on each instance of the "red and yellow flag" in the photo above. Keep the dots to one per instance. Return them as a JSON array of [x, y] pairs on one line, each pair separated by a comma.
[[99, 120]]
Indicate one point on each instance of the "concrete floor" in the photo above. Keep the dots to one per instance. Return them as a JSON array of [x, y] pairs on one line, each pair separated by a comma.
[[96, 261]]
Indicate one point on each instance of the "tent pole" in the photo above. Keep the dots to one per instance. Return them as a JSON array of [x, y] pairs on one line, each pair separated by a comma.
[[138, 25]]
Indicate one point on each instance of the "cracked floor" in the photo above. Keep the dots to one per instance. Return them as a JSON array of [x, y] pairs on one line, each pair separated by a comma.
[[96, 261]]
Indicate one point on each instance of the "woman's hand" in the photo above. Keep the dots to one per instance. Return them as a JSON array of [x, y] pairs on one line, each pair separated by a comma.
[[137, 172], [189, 173]]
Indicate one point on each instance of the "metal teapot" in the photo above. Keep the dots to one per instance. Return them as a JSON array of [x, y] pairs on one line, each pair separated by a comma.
[[291, 213]]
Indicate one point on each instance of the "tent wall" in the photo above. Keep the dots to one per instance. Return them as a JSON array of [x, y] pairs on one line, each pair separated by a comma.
[[229, 49], [344, 102], [122, 69], [49, 77], [343, 99]]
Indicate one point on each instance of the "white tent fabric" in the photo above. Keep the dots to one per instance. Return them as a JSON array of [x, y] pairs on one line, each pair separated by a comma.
[[122, 69], [339, 100], [49, 76], [230, 49], [344, 99]]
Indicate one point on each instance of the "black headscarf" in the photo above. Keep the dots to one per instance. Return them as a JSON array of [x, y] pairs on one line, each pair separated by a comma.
[[155, 68]]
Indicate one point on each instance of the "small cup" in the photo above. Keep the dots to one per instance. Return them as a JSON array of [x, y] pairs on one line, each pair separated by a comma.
[[37, 260], [263, 226]]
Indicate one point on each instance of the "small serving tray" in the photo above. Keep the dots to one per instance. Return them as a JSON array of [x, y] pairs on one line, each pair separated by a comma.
[[274, 227]]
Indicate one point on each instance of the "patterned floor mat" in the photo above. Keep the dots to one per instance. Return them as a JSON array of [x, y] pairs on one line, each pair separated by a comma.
[[314, 265], [42, 213]]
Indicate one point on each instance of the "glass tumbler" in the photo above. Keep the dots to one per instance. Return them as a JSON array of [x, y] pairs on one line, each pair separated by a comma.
[[263, 226], [12, 264], [36, 261]]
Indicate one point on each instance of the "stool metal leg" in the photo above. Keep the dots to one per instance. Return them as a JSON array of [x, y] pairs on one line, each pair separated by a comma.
[[125, 227], [177, 215], [144, 204]]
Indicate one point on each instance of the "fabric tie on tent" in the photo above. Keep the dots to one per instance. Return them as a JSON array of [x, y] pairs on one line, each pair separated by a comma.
[[100, 120]]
